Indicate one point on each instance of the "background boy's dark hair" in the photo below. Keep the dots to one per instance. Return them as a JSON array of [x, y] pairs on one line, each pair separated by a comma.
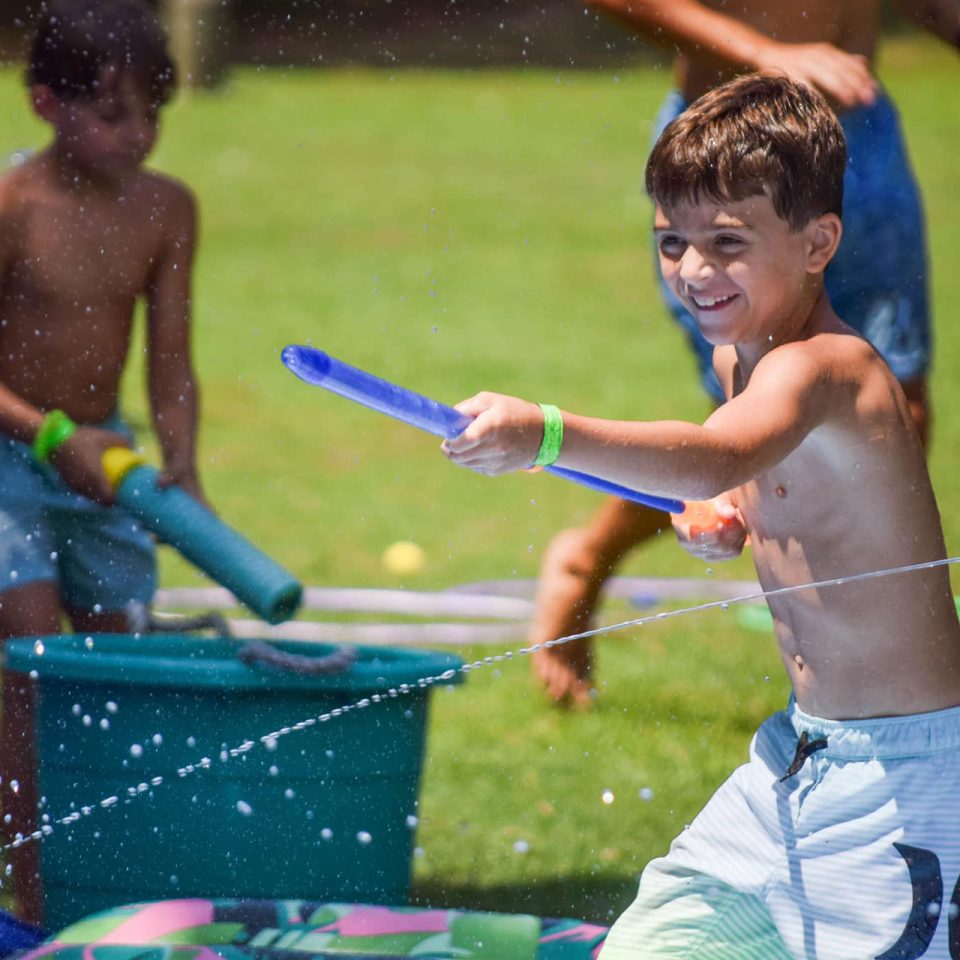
[[76, 39], [753, 135]]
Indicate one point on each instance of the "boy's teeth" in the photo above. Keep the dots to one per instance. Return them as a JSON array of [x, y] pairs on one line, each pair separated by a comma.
[[709, 301]]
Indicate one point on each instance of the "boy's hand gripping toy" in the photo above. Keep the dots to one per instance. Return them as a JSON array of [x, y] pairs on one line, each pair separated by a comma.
[[206, 541], [322, 370]]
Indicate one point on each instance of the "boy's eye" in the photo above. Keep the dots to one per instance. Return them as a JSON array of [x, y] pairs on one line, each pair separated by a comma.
[[672, 246], [728, 241]]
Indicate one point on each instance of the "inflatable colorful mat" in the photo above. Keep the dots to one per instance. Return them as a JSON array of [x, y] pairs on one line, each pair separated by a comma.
[[298, 930]]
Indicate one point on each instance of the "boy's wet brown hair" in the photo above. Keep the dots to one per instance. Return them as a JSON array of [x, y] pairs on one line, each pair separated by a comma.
[[75, 40], [755, 135]]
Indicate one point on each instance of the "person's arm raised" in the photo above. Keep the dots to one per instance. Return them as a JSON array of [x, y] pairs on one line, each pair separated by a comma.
[[695, 30]]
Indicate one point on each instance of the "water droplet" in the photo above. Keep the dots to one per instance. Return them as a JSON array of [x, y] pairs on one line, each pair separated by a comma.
[[111, 707], [364, 837], [645, 793], [412, 821], [521, 846], [289, 794], [38, 648], [244, 808], [607, 797], [326, 833], [136, 750], [88, 643]]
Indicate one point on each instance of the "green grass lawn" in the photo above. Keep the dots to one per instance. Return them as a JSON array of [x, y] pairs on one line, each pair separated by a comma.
[[486, 230]]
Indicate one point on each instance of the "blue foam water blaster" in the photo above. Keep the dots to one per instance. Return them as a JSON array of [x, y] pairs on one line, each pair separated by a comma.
[[202, 538], [321, 370]]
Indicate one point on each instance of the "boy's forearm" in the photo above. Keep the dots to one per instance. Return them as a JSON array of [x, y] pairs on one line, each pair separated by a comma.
[[18, 419], [175, 419], [940, 17], [665, 458], [691, 28]]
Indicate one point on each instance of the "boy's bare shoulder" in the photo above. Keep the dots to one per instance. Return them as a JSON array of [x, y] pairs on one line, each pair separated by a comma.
[[835, 360], [838, 354], [169, 200]]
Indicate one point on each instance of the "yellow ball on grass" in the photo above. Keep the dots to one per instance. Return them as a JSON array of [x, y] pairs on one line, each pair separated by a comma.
[[404, 558]]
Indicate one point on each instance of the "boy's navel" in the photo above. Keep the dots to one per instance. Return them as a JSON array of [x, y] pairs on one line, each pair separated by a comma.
[[780, 491]]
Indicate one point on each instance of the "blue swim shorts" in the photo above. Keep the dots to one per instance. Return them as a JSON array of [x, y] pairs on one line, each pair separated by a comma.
[[100, 557], [877, 282], [855, 855]]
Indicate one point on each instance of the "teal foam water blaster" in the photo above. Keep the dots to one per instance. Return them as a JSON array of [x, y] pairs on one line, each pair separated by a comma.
[[217, 549]]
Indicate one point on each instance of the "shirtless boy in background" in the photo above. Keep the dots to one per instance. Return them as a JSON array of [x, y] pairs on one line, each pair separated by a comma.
[[85, 232], [882, 293]]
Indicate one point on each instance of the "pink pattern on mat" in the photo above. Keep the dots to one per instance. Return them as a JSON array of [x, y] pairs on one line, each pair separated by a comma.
[[381, 921], [586, 931], [155, 920]]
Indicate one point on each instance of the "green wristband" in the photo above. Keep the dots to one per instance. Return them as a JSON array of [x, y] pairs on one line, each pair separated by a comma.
[[552, 436], [57, 428]]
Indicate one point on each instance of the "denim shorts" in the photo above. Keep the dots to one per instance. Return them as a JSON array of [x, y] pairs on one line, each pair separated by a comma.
[[877, 282], [100, 557]]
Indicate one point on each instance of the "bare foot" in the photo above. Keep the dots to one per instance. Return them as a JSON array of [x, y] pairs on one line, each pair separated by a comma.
[[575, 567], [567, 595]]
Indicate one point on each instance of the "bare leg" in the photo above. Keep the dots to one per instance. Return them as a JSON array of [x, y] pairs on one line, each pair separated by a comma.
[[916, 393], [575, 566], [31, 610]]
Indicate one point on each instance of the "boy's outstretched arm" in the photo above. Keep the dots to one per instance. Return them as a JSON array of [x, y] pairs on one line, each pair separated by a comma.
[[788, 396], [693, 29], [174, 398], [940, 17]]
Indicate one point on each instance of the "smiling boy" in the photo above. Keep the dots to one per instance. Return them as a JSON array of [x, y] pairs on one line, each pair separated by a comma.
[[838, 839], [832, 45]]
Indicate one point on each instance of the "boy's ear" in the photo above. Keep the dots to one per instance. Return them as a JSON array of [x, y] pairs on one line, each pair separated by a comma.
[[824, 238], [46, 105]]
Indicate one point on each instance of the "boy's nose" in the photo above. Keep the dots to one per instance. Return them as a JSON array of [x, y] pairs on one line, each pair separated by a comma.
[[694, 267]]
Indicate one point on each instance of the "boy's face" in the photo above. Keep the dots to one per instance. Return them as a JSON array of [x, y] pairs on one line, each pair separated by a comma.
[[737, 267], [108, 136]]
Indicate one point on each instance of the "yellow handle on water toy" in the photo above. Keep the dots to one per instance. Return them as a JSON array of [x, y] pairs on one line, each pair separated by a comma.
[[118, 462]]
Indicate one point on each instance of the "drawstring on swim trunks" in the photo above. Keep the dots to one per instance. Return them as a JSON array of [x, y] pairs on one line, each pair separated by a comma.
[[805, 748]]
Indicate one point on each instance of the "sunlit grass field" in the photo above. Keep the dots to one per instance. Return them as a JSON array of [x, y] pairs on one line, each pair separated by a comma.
[[486, 230]]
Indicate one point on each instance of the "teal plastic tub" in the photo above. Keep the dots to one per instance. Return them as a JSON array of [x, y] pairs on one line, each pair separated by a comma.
[[328, 811]]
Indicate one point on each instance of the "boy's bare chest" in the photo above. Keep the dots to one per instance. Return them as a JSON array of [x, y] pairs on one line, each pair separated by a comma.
[[809, 491], [85, 253]]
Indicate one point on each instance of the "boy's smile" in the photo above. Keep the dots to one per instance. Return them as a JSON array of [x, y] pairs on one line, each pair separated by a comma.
[[738, 268]]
